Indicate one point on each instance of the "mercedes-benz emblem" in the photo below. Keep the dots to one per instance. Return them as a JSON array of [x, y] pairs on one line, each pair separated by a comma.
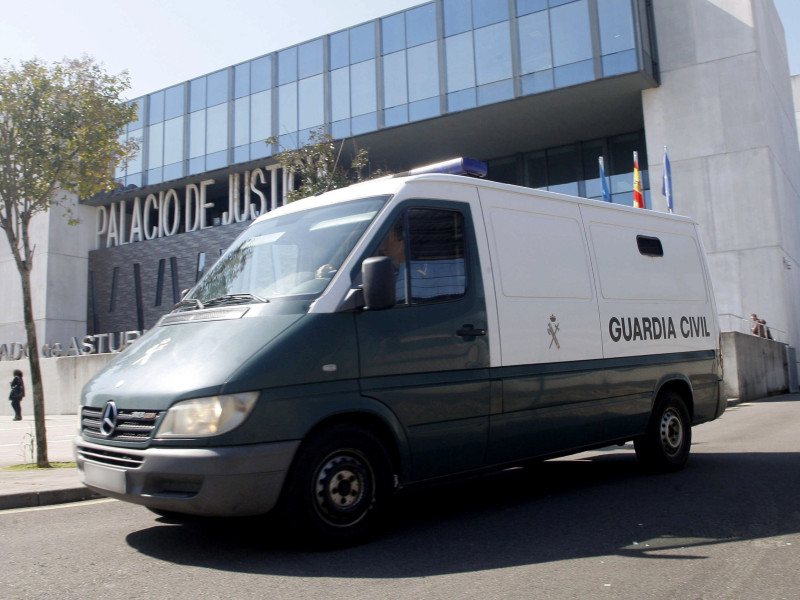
[[108, 423]]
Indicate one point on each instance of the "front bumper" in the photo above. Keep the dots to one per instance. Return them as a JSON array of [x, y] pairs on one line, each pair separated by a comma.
[[224, 481]]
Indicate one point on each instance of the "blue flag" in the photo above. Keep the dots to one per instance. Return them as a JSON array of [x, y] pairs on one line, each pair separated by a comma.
[[604, 181], [666, 183]]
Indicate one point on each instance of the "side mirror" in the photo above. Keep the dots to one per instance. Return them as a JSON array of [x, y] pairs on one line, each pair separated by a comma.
[[378, 277]]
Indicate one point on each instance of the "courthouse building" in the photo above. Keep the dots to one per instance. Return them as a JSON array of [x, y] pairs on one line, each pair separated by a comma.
[[538, 89]]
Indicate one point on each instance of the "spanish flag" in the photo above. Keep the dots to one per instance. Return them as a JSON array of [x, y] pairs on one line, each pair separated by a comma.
[[638, 201]]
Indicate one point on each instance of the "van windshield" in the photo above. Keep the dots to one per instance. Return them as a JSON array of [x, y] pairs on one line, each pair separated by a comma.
[[287, 256]]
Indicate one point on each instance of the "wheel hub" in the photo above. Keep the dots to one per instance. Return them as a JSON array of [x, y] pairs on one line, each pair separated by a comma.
[[671, 431], [342, 490]]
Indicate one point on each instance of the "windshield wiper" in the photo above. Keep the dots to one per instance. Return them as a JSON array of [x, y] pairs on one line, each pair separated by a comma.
[[244, 298], [188, 304]]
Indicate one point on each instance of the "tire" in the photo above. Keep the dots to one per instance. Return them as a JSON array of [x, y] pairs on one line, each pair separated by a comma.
[[666, 443], [338, 488]]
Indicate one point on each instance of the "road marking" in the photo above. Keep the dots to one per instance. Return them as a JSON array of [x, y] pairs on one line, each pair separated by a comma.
[[12, 511]]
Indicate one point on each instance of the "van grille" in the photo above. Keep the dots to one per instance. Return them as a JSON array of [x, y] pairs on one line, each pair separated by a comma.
[[113, 458], [132, 425]]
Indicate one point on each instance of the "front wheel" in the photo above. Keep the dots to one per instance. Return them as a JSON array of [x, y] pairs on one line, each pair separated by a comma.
[[338, 488], [665, 445]]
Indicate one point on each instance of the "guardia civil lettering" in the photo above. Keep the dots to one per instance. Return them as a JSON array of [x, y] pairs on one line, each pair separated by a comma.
[[630, 329]]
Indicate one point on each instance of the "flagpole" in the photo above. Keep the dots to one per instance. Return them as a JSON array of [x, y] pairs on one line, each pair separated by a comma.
[[638, 200], [603, 181], [666, 181]]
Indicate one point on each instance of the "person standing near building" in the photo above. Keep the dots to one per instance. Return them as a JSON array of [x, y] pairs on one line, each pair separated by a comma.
[[17, 394], [758, 328]]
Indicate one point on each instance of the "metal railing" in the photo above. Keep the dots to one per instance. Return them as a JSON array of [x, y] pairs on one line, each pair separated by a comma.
[[731, 322]]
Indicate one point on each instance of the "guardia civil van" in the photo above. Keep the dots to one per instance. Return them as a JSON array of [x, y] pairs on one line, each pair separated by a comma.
[[402, 330]]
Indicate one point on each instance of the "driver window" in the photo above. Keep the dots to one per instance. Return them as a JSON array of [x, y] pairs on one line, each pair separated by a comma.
[[427, 249]]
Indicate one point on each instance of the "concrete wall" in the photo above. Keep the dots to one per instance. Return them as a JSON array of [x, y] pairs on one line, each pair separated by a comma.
[[63, 378], [753, 367], [59, 278], [726, 113]]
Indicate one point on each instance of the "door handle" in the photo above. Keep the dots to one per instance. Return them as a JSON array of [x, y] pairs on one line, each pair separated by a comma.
[[470, 331]]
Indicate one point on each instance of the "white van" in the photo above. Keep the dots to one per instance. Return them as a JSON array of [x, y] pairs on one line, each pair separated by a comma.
[[402, 330]]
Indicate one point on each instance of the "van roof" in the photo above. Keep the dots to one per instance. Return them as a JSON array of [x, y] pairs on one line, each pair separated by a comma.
[[392, 184]]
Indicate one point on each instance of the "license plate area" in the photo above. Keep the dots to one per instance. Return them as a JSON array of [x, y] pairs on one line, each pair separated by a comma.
[[104, 477]]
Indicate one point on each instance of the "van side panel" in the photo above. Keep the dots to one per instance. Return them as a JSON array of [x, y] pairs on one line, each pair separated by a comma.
[[549, 328], [543, 281]]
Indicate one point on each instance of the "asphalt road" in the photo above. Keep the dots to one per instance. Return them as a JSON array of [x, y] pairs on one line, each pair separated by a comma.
[[591, 526]]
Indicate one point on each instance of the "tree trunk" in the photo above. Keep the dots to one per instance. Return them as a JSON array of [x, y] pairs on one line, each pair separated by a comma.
[[42, 460]]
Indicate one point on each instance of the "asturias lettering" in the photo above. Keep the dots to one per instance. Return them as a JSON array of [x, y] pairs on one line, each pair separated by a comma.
[[632, 329]]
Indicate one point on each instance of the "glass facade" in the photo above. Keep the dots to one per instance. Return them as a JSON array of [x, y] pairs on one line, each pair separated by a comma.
[[574, 169], [440, 57]]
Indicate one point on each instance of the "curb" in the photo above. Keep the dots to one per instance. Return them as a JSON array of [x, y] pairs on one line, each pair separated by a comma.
[[46, 498]]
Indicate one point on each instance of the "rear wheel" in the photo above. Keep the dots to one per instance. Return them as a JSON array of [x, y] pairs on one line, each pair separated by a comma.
[[338, 488], [666, 443]]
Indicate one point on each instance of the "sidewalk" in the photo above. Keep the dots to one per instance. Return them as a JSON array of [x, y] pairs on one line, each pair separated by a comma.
[[38, 487]]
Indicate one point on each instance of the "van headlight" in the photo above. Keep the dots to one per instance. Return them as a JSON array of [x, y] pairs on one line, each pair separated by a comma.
[[204, 417]]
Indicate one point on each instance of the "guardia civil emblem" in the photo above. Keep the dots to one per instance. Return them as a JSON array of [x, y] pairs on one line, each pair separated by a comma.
[[552, 329]]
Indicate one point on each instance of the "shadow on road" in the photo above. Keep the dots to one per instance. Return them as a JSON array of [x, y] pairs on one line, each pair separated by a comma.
[[565, 509]]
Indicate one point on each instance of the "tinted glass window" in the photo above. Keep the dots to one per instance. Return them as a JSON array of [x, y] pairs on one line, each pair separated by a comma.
[[241, 121], [155, 145], [421, 25], [362, 86], [197, 94], [173, 140], [173, 102], [137, 124], [287, 108], [395, 87], [525, 7], [260, 116], [562, 170], [339, 49], [217, 128], [340, 94], [488, 12], [492, 53], [241, 80], [287, 66], [649, 246], [570, 33], [217, 91], [311, 100], [457, 16], [309, 59], [156, 113], [427, 249], [135, 164], [534, 42], [616, 25], [362, 43], [436, 266], [260, 74], [460, 62], [423, 72], [393, 34], [197, 134]]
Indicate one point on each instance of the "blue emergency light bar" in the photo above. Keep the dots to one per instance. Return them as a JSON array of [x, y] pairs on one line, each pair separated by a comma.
[[454, 166]]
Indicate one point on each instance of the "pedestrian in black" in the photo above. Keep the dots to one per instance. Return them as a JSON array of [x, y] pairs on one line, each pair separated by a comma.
[[17, 394]]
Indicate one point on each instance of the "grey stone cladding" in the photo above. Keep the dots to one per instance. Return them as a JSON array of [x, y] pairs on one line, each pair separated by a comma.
[[133, 285]]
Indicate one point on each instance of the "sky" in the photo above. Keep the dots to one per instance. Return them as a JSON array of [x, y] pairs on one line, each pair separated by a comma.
[[164, 42]]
